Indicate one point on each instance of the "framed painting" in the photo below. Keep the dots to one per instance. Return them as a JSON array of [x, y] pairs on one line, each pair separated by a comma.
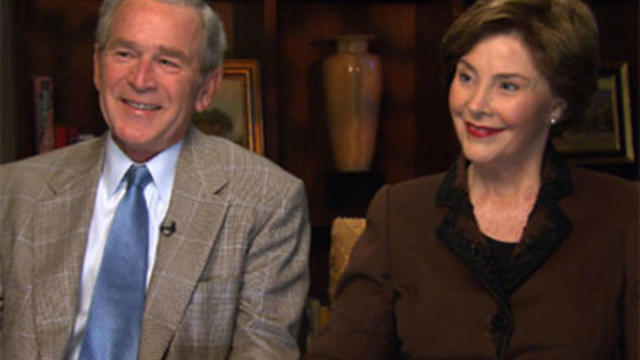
[[236, 111], [605, 134]]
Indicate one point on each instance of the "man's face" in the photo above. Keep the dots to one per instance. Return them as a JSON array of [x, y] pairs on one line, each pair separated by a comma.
[[148, 76]]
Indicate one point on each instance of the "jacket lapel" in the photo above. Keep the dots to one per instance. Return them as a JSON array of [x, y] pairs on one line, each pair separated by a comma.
[[461, 235], [546, 228], [60, 227], [198, 208], [548, 225]]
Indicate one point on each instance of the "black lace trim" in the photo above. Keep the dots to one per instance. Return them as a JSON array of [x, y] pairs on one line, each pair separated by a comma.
[[547, 226]]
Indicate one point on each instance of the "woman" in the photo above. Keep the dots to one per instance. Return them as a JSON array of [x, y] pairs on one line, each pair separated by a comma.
[[512, 254]]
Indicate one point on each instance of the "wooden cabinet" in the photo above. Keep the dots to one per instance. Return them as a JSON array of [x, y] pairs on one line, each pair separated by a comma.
[[291, 38]]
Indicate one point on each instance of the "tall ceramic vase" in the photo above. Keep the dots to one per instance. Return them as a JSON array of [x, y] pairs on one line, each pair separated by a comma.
[[353, 84]]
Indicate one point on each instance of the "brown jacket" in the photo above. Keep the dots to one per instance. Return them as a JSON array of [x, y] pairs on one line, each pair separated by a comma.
[[422, 282]]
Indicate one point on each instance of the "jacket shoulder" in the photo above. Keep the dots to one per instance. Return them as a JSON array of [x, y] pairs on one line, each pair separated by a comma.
[[252, 178], [30, 173], [597, 187], [417, 189], [601, 202], [417, 194], [241, 162]]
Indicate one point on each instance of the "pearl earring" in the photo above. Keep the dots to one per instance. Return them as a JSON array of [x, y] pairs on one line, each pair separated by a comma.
[[553, 121]]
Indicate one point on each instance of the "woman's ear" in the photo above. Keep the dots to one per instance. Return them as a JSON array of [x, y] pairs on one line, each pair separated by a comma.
[[558, 110]]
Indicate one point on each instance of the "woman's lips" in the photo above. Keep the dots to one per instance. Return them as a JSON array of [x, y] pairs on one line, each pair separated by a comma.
[[481, 131]]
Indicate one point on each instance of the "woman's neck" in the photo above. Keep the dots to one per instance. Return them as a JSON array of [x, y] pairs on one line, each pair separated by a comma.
[[505, 181], [503, 197]]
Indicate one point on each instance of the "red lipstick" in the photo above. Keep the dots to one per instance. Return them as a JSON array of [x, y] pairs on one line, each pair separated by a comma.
[[481, 131]]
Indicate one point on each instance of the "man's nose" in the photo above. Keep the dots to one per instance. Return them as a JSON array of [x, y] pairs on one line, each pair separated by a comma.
[[142, 76]]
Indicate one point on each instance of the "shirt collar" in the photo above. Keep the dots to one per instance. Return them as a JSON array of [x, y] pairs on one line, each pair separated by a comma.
[[162, 167]]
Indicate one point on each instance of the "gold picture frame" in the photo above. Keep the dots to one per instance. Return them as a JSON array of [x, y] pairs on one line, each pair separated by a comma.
[[605, 135], [236, 111]]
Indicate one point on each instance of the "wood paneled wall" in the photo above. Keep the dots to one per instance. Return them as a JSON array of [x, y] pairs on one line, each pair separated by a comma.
[[412, 116], [291, 38], [7, 95], [55, 38]]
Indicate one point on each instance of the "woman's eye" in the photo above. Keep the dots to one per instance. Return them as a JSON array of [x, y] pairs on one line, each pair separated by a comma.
[[464, 77], [509, 86]]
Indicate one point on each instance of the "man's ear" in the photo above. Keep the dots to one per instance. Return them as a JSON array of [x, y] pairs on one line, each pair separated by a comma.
[[97, 76], [208, 89]]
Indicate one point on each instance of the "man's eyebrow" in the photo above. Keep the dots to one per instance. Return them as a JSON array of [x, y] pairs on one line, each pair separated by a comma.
[[175, 53], [163, 50]]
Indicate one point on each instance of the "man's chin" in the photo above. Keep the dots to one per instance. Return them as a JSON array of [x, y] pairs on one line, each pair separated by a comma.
[[138, 150]]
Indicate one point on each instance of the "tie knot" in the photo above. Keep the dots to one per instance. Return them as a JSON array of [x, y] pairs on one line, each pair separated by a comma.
[[138, 176]]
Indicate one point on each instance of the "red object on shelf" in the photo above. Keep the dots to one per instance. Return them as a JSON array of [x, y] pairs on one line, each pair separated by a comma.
[[61, 136]]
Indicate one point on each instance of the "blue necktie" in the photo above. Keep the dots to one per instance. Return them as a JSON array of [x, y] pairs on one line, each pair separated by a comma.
[[115, 316]]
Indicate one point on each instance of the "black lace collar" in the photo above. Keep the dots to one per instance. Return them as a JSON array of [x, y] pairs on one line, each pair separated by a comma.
[[546, 228]]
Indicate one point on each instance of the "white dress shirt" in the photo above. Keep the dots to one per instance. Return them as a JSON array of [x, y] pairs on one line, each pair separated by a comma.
[[111, 189]]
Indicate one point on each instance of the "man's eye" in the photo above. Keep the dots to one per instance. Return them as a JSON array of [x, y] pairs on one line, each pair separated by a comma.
[[123, 54], [168, 63]]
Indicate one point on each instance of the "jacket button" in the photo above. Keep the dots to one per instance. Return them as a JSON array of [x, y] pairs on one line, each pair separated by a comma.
[[500, 322], [474, 249]]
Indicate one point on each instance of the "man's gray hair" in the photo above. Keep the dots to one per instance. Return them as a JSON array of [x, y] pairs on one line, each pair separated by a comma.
[[214, 42]]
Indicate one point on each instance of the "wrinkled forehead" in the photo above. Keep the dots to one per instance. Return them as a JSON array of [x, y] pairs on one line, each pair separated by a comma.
[[157, 23]]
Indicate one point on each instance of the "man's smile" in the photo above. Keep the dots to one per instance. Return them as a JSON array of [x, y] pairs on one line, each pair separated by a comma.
[[141, 106]]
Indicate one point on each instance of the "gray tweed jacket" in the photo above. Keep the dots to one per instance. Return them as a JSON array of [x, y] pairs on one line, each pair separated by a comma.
[[230, 283]]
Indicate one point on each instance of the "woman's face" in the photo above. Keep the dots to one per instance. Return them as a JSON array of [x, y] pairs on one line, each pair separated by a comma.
[[501, 104]]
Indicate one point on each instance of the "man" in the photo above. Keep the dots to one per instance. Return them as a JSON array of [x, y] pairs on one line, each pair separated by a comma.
[[223, 265]]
